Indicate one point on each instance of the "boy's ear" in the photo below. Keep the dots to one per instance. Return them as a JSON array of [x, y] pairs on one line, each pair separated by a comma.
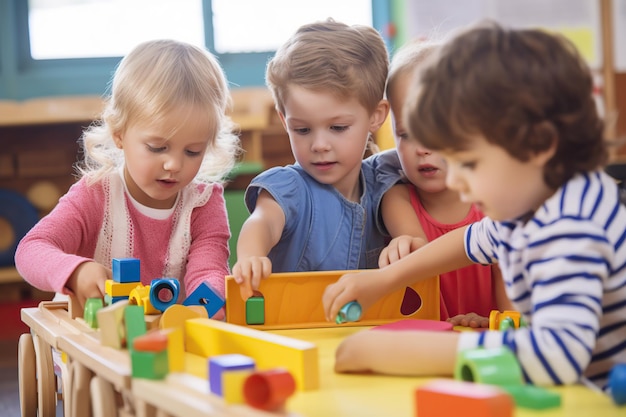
[[379, 115], [547, 136]]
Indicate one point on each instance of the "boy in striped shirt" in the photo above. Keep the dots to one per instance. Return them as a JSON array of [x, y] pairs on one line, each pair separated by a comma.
[[513, 114]]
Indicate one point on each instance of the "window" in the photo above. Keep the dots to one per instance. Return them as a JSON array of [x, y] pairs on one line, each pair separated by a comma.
[[60, 47], [108, 28], [267, 24]]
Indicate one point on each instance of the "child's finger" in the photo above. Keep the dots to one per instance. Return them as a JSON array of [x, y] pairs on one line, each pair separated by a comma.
[[245, 290]]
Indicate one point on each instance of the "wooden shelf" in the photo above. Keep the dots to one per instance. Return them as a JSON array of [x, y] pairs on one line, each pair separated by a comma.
[[9, 274]]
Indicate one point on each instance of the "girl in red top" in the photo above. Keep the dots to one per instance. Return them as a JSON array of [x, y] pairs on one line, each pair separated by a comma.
[[425, 208]]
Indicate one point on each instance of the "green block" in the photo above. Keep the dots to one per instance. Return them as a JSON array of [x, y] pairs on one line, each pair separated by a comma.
[[533, 397], [135, 324], [92, 305], [149, 365], [255, 310]]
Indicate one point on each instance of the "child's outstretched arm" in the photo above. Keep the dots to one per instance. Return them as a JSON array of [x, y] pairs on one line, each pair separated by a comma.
[[415, 353], [443, 254], [87, 281], [259, 234], [402, 224]]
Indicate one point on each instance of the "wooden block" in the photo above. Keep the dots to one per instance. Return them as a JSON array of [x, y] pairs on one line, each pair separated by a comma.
[[175, 349], [73, 307], [458, 398], [140, 296], [205, 297], [221, 364], [255, 310], [294, 300], [126, 270], [118, 289], [135, 323], [208, 338], [232, 386], [176, 316], [110, 321], [108, 300], [149, 365], [154, 341]]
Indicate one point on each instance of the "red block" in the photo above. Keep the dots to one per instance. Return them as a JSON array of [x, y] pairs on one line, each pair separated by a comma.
[[459, 398], [154, 341]]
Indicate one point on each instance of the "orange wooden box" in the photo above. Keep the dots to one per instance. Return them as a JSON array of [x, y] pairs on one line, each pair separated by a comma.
[[294, 300]]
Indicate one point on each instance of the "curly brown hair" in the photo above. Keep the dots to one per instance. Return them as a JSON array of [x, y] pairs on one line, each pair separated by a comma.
[[524, 90]]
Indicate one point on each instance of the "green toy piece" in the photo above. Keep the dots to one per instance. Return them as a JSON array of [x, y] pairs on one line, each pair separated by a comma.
[[506, 324], [149, 365], [255, 310], [499, 366], [92, 305], [135, 324], [533, 397]]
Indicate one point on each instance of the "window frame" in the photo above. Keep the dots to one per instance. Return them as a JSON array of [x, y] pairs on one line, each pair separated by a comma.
[[23, 77]]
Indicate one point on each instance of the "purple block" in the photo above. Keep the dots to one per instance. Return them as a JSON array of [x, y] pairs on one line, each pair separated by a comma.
[[222, 363]]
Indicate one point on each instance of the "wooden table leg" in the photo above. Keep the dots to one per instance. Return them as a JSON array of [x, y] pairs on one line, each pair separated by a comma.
[[143, 409], [46, 384], [66, 389], [102, 398], [27, 376], [81, 396]]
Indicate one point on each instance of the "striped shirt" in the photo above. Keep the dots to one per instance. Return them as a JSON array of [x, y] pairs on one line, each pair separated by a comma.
[[565, 271]]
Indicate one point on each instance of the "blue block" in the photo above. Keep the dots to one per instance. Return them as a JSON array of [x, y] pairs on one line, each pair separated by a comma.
[[223, 363], [126, 270], [617, 383], [108, 300], [164, 293], [204, 296]]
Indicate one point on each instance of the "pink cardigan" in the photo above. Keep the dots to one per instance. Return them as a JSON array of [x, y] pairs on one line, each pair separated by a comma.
[[65, 238]]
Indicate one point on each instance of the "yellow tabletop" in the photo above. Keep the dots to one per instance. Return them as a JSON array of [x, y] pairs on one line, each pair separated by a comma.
[[339, 394], [378, 395]]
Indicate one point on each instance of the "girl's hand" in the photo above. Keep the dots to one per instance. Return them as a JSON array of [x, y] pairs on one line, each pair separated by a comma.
[[248, 273], [87, 281], [365, 287], [472, 320], [398, 248]]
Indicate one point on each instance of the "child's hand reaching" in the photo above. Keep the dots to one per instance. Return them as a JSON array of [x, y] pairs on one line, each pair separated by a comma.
[[365, 287], [248, 273], [470, 320], [398, 248], [87, 281]]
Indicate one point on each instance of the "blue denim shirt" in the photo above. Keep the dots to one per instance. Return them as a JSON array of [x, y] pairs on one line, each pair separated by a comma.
[[324, 231]]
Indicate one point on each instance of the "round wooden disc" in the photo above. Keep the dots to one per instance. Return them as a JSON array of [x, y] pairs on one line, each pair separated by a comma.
[[7, 234], [44, 195]]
